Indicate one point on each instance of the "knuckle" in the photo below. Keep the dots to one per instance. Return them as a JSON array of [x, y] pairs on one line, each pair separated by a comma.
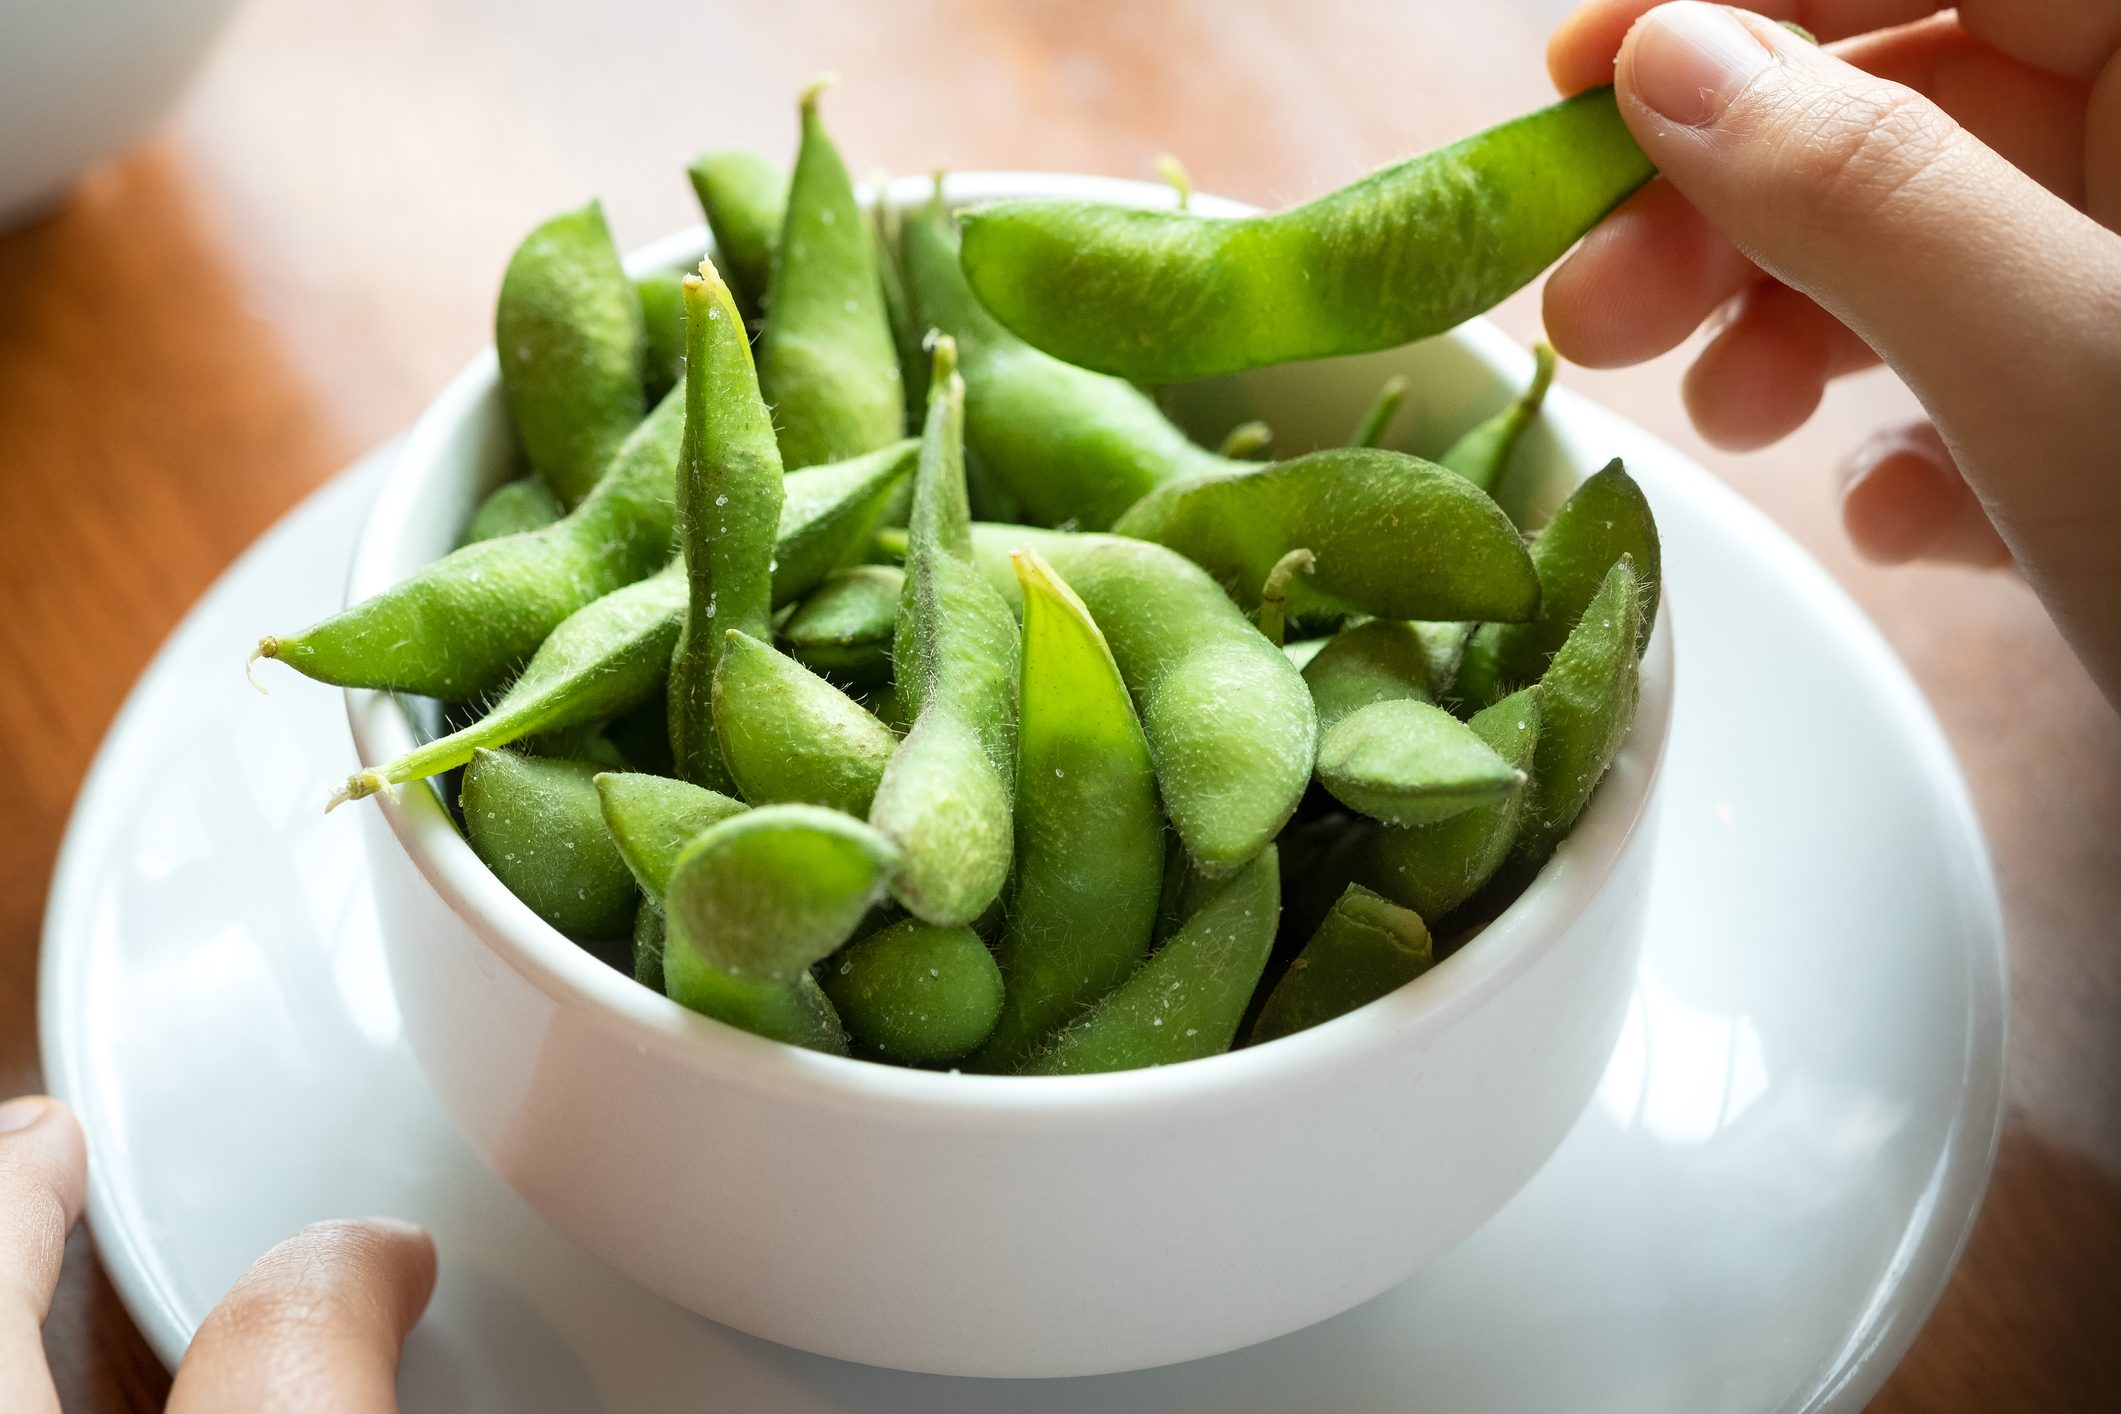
[[1847, 154]]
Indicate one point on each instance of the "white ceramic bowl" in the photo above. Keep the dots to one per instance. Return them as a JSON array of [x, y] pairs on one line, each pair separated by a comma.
[[82, 80], [1009, 1226]]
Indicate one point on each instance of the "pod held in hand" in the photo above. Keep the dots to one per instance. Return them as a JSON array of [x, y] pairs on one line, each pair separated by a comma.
[[1159, 296]]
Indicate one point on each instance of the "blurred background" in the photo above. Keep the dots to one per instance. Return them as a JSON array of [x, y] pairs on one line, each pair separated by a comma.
[[205, 329]]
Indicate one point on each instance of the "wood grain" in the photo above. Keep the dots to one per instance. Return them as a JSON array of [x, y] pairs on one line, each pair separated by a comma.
[[212, 327]]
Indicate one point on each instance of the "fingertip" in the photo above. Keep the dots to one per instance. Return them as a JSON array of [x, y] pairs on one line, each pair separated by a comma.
[[46, 1145], [1761, 375], [1641, 282], [1903, 500], [1582, 48]]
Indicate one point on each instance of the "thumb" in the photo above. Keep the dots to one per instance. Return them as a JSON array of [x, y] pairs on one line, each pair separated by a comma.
[[1993, 299]]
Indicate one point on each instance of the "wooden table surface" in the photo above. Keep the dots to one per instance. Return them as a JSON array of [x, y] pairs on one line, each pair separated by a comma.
[[215, 325]]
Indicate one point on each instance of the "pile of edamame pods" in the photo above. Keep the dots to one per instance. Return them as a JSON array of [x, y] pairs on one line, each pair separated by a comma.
[[1173, 749]]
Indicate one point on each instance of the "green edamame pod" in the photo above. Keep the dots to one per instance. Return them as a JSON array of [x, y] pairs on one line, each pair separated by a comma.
[[1588, 697], [607, 659], [537, 823], [1367, 947], [764, 894], [916, 993], [1377, 420], [461, 627], [830, 514], [1073, 447], [510, 509], [1090, 837], [1186, 1001], [1407, 762], [945, 797], [1432, 869], [729, 508], [652, 818], [1230, 724], [662, 298], [1410, 251], [1607, 517], [826, 359], [1377, 660], [1395, 536], [788, 735], [648, 930], [604, 660], [1482, 455], [844, 628], [745, 199], [572, 346]]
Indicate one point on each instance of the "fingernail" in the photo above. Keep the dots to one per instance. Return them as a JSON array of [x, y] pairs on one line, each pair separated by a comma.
[[1688, 61], [22, 1113], [396, 1225]]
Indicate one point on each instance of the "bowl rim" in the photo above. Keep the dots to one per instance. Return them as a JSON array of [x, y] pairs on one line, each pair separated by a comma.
[[571, 976]]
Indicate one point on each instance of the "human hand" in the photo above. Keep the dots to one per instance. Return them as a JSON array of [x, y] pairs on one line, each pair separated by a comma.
[[1944, 195], [315, 1325]]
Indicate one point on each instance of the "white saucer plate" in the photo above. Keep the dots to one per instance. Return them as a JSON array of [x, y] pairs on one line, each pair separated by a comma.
[[1757, 1212]]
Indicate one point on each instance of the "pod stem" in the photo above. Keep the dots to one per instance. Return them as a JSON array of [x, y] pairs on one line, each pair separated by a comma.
[[1274, 596], [1543, 360], [1246, 441], [1370, 432], [816, 90], [359, 786], [268, 647], [1174, 173]]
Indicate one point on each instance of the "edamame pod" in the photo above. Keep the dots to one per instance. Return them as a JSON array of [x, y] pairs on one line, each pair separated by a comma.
[[1367, 947], [908, 333], [460, 627], [1230, 724], [1606, 517], [1432, 869], [729, 507], [1483, 454], [1160, 296], [745, 199], [826, 360], [830, 513], [1090, 836], [604, 660], [1395, 536], [609, 657], [662, 298], [1407, 762], [789, 735], [764, 894], [652, 818], [1377, 660], [945, 797], [916, 993], [510, 509], [1073, 447], [1186, 1001], [537, 823], [648, 930], [844, 628], [572, 345], [1588, 697]]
